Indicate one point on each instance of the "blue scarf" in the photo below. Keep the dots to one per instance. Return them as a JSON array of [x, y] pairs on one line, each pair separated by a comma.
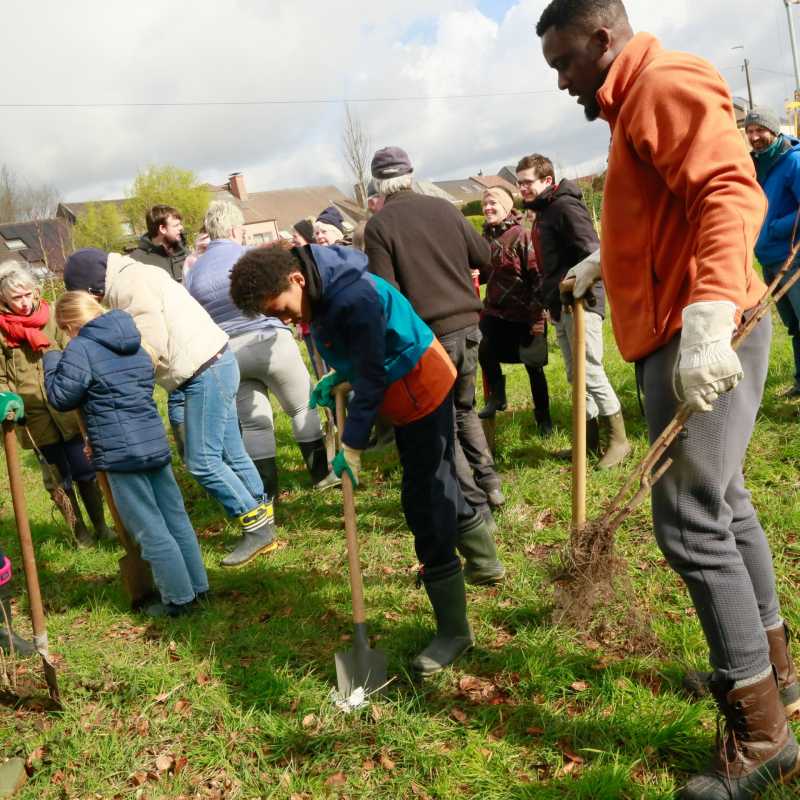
[[766, 159]]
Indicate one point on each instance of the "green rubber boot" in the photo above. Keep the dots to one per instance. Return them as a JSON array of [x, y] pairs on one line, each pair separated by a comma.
[[453, 635], [477, 547], [93, 503]]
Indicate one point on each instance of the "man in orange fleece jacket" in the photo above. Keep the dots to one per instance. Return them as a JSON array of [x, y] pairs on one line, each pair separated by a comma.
[[681, 214]]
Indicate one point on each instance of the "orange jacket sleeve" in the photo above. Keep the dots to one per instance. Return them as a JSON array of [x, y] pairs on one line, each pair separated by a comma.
[[682, 126]]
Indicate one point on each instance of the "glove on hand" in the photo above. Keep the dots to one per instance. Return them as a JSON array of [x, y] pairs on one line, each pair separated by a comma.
[[707, 365], [586, 273], [11, 407], [348, 460], [321, 393]]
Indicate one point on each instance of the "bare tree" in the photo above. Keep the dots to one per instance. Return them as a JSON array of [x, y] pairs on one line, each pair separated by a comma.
[[21, 201], [357, 153]]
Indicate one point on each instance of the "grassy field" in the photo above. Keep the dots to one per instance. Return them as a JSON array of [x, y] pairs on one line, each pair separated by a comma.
[[233, 702]]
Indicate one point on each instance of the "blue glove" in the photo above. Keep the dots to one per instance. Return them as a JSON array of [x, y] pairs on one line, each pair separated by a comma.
[[321, 394], [12, 408], [348, 460]]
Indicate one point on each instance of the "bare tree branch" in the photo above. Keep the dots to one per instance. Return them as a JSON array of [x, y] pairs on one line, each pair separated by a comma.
[[357, 153], [21, 201]]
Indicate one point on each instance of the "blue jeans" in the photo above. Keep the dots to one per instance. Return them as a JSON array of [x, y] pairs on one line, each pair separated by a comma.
[[215, 453], [175, 410], [789, 310], [151, 507]]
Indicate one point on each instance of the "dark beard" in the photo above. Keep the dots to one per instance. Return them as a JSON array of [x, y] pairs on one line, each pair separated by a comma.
[[592, 109]]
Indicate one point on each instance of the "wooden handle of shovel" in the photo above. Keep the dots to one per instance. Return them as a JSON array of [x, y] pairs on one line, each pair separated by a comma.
[[356, 582], [578, 407], [24, 530]]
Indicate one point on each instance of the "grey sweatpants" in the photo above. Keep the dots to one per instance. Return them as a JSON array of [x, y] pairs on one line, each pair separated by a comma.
[[272, 361], [704, 521], [600, 397]]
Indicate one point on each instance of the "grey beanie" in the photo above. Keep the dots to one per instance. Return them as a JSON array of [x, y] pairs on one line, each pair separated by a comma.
[[765, 117]]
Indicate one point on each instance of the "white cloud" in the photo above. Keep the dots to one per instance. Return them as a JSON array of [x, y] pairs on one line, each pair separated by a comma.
[[112, 51]]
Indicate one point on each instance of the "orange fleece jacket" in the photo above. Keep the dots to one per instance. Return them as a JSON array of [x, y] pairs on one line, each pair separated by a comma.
[[681, 206]]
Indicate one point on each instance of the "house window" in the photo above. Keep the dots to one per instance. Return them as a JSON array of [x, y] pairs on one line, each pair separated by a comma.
[[15, 244]]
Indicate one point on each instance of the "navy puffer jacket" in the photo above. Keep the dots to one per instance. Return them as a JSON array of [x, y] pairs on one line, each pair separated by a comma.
[[106, 373]]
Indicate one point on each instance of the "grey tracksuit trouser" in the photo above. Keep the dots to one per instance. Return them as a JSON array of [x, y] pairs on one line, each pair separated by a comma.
[[704, 521]]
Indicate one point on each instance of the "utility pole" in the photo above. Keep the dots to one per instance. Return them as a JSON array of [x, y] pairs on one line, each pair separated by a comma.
[[749, 85], [793, 40]]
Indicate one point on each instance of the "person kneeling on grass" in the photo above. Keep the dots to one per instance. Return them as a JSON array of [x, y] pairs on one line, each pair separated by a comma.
[[371, 336], [107, 373]]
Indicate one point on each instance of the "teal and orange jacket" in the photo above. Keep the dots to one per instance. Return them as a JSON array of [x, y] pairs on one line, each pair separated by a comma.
[[370, 334]]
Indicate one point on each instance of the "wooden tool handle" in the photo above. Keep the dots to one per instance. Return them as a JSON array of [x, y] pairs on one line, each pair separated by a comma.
[[23, 529], [578, 406], [356, 582]]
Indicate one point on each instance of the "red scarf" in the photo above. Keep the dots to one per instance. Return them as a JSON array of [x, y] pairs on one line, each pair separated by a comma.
[[20, 330]]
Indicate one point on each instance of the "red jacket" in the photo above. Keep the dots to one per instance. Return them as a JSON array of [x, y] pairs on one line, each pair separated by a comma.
[[681, 206]]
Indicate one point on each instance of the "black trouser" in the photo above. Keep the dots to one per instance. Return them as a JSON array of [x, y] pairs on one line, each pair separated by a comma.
[[70, 460], [474, 462], [430, 494], [500, 345]]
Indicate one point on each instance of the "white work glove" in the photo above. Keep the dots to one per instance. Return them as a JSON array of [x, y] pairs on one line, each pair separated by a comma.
[[707, 365], [586, 274]]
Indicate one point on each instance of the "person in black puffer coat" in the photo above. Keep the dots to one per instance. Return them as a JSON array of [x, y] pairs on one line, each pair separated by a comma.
[[107, 373]]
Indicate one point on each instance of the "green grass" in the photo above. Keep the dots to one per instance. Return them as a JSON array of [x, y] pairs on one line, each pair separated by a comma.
[[237, 698]]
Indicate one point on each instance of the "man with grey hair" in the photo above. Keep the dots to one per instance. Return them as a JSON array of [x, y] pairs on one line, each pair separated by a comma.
[[266, 352], [777, 161], [426, 248]]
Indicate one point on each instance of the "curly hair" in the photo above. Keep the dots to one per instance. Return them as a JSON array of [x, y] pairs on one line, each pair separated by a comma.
[[261, 274], [562, 13]]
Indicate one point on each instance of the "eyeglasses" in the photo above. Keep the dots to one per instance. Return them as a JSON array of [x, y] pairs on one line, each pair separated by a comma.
[[526, 184]]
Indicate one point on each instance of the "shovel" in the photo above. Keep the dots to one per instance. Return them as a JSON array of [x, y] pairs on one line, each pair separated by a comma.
[[28, 558], [361, 666], [137, 578], [578, 408]]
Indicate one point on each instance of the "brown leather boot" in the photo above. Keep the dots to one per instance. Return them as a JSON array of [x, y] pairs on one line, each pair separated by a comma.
[[756, 748], [785, 671], [697, 683]]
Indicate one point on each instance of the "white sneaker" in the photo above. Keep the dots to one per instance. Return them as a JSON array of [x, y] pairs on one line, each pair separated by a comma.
[[329, 481]]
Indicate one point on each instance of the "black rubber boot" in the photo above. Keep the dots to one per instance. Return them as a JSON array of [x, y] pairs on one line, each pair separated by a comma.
[[316, 457], [544, 425], [453, 637], [93, 502], [8, 639], [179, 435], [268, 470], [477, 547], [497, 400], [592, 441]]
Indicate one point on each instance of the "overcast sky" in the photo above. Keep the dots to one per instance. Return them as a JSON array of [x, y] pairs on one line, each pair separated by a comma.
[[109, 51]]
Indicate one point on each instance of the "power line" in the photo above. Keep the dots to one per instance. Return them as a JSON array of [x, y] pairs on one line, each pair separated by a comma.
[[290, 102]]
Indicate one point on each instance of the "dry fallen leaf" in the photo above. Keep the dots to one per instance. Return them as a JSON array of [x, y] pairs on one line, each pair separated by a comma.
[[309, 720], [164, 762], [337, 779], [138, 778], [534, 731], [203, 679], [142, 725], [385, 761], [579, 686], [458, 715]]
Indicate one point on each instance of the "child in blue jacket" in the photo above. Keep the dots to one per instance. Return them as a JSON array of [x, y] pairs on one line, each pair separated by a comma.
[[369, 333], [106, 373]]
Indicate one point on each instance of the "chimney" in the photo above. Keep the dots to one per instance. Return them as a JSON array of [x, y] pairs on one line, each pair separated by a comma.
[[237, 187]]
